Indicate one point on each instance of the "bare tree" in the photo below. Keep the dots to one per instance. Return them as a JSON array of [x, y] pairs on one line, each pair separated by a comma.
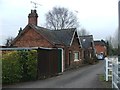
[[83, 32], [61, 18], [109, 40], [8, 41]]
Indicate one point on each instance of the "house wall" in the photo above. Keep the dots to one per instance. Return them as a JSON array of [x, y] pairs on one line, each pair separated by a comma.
[[31, 38], [75, 47], [100, 48]]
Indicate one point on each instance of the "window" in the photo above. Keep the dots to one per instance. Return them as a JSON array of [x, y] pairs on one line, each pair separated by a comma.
[[76, 56], [90, 55]]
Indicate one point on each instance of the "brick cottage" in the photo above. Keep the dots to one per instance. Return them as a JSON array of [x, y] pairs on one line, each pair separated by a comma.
[[67, 39]]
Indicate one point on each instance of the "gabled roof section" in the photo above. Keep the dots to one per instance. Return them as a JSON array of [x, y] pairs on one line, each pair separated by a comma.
[[20, 34], [62, 37], [26, 28], [55, 37], [86, 41], [98, 42], [65, 36]]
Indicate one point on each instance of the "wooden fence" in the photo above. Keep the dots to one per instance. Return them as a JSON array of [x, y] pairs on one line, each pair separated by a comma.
[[108, 69], [49, 62], [116, 74], [112, 69]]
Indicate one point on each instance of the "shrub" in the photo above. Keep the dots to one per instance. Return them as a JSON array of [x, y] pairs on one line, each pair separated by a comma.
[[10, 68], [19, 66]]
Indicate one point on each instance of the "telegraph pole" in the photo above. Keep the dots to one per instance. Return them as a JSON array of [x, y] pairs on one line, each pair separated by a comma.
[[119, 29], [119, 38]]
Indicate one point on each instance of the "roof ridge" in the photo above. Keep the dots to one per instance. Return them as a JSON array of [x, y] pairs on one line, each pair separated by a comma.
[[64, 29], [85, 35], [39, 27]]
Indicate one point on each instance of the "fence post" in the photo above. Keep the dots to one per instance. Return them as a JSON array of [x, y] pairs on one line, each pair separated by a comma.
[[108, 68]]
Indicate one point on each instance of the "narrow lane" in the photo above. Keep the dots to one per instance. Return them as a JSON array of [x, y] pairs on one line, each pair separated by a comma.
[[84, 77]]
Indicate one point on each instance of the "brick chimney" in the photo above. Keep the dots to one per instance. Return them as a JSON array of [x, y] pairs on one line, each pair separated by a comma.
[[32, 17]]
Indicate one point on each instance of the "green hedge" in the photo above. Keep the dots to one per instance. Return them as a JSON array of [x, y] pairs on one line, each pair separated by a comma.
[[18, 66]]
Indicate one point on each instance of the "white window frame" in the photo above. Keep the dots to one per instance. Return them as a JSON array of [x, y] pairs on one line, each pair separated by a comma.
[[78, 55], [90, 55]]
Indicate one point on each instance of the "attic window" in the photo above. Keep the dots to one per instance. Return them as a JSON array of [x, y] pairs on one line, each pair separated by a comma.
[[84, 40]]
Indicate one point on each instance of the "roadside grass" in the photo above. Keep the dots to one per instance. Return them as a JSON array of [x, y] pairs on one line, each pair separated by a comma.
[[106, 84]]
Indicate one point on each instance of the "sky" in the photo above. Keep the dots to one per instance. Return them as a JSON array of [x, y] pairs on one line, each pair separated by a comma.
[[98, 17]]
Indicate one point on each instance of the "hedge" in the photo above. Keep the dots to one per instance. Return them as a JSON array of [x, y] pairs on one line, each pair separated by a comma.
[[19, 66]]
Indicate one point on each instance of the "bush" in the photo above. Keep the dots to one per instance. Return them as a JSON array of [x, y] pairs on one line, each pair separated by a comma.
[[19, 66], [93, 60]]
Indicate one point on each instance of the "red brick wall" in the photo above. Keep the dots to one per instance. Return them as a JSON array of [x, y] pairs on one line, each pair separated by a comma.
[[32, 20], [31, 38], [74, 47], [100, 48]]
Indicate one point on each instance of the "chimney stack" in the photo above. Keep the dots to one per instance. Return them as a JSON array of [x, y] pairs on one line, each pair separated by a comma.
[[32, 17]]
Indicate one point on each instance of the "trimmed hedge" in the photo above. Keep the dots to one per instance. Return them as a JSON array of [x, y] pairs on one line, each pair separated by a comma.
[[19, 66]]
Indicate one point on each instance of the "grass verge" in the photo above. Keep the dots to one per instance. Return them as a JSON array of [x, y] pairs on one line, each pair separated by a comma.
[[106, 84]]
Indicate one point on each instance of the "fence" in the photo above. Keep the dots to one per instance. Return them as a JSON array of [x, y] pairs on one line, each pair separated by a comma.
[[112, 69], [108, 69], [116, 74], [49, 62]]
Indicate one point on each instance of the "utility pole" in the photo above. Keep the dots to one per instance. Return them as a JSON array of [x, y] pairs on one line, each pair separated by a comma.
[[35, 4], [119, 29], [119, 37]]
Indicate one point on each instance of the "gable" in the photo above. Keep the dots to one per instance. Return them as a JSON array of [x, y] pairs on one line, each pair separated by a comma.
[[101, 43], [75, 40], [38, 36], [30, 38], [87, 41]]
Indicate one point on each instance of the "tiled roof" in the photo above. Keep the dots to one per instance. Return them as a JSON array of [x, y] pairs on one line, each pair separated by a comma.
[[99, 43], [63, 36], [60, 37], [87, 41]]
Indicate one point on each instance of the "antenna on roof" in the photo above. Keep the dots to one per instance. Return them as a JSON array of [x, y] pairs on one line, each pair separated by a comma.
[[35, 4]]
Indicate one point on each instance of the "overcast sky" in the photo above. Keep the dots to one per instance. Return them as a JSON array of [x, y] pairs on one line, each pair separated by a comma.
[[98, 17]]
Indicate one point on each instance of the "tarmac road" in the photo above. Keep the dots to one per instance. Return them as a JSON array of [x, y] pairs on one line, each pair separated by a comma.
[[84, 77]]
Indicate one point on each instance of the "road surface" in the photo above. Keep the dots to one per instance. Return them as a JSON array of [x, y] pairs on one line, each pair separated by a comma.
[[84, 77]]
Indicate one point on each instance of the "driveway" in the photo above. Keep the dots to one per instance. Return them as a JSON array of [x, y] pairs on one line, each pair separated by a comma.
[[84, 77]]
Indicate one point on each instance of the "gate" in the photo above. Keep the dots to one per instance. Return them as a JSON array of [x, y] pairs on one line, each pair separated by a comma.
[[49, 62]]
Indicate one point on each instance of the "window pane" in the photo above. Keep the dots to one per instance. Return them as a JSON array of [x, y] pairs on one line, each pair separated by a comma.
[[76, 55]]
